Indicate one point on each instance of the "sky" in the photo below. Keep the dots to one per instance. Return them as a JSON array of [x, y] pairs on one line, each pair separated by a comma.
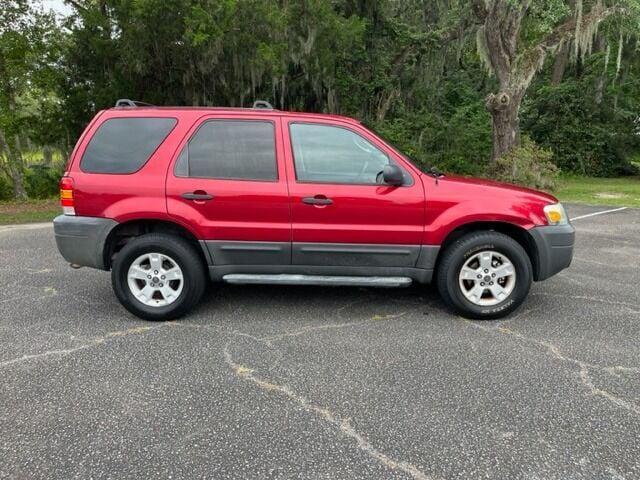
[[57, 5]]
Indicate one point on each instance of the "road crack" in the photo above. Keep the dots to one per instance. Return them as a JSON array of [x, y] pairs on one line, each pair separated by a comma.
[[584, 375], [342, 424], [109, 337]]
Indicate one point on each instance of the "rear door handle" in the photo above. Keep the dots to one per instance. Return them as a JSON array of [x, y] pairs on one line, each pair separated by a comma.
[[197, 195], [317, 200]]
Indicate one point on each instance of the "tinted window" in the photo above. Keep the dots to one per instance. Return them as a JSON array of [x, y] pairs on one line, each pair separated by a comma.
[[243, 150], [123, 145], [329, 154]]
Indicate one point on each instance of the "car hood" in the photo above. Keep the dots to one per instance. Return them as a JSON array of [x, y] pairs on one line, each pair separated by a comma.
[[492, 187]]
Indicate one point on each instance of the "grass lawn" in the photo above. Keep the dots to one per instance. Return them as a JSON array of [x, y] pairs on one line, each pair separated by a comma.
[[623, 192], [29, 211]]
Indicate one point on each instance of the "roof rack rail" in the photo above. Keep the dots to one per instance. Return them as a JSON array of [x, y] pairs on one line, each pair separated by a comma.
[[125, 102], [262, 104]]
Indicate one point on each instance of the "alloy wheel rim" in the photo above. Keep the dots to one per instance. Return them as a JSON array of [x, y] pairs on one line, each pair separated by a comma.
[[487, 278], [155, 279]]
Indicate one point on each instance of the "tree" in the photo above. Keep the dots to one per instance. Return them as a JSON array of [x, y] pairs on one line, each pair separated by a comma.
[[514, 40], [24, 38]]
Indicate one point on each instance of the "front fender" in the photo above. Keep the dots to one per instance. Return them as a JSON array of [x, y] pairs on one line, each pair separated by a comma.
[[442, 219]]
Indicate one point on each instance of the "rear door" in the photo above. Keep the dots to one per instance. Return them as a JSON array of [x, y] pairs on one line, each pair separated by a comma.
[[341, 214], [228, 182]]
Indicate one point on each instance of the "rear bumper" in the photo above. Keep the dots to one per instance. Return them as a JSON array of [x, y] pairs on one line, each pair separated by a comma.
[[81, 240], [554, 244]]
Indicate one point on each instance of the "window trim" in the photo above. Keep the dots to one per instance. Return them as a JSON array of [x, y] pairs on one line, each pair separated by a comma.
[[235, 120], [333, 125], [142, 117]]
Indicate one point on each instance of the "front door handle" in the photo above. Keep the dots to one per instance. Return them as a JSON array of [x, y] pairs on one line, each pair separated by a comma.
[[317, 200], [197, 195]]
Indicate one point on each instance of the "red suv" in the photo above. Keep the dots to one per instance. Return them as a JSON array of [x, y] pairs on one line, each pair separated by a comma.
[[166, 198]]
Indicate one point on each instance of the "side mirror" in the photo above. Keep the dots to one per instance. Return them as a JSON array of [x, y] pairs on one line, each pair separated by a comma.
[[392, 175]]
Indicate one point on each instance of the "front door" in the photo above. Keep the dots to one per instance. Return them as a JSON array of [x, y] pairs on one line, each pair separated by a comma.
[[229, 183], [342, 215]]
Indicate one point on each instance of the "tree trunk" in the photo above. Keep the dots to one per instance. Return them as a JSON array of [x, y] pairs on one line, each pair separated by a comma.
[[504, 108], [600, 47], [17, 179], [17, 170], [47, 155], [560, 64], [14, 166]]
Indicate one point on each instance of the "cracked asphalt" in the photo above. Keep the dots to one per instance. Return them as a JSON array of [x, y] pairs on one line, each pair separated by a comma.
[[266, 382]]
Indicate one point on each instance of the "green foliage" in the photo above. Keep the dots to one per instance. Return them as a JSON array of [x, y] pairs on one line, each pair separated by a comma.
[[42, 181], [587, 136], [6, 190], [528, 165]]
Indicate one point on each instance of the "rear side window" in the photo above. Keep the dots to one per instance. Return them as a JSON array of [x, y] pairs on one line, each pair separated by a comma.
[[230, 149], [123, 145]]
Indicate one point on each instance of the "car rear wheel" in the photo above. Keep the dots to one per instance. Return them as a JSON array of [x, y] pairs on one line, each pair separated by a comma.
[[158, 276], [484, 275]]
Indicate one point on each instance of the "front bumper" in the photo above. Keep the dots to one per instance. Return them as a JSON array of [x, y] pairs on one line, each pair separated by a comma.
[[554, 246], [81, 240]]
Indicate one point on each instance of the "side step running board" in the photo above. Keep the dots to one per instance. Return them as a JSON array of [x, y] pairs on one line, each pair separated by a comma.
[[318, 280]]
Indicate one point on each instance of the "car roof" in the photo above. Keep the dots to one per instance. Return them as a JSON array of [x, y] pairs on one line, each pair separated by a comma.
[[266, 112]]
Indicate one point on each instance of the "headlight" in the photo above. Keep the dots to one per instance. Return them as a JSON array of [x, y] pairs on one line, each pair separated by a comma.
[[555, 214]]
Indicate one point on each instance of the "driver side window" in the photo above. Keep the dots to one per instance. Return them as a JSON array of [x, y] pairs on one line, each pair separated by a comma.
[[329, 154]]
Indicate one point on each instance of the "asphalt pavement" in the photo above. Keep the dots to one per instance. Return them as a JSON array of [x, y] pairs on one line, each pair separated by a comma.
[[267, 382]]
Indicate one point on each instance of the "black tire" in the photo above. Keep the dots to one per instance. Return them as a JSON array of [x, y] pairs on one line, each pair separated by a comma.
[[454, 258], [187, 257]]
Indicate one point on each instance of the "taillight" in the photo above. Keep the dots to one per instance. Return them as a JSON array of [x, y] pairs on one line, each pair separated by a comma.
[[66, 196]]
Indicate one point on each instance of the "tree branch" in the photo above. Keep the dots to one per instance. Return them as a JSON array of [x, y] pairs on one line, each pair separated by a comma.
[[566, 30], [533, 59], [495, 24], [511, 30]]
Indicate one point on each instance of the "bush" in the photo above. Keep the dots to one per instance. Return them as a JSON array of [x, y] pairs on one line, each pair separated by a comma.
[[6, 191], [587, 137], [41, 181], [528, 165], [457, 143]]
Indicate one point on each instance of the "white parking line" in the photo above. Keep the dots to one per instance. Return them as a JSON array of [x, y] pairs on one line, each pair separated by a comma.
[[598, 213]]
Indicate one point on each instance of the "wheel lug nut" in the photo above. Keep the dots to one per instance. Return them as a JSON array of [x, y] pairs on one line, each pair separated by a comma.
[[161, 285], [162, 277], [479, 276], [490, 283], [482, 284], [486, 270], [149, 277], [493, 275], [155, 271]]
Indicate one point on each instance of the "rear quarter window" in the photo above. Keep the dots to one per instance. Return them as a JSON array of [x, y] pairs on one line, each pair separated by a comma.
[[124, 145]]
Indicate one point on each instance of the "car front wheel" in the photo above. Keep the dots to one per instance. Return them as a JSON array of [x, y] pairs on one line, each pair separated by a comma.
[[158, 276], [484, 275]]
